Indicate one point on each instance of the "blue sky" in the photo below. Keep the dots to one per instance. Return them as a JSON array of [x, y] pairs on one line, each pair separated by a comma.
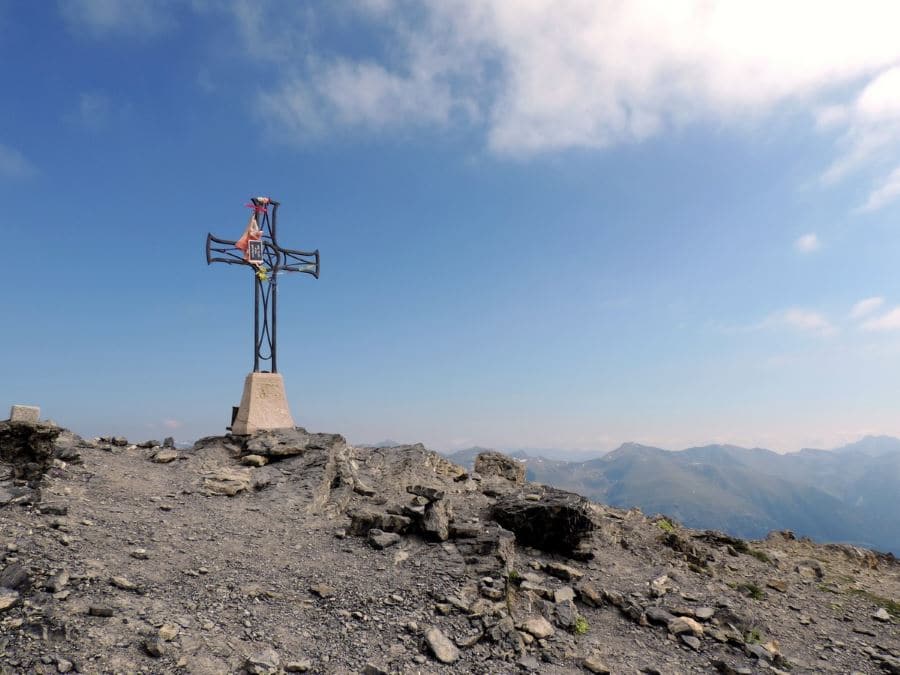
[[542, 224]]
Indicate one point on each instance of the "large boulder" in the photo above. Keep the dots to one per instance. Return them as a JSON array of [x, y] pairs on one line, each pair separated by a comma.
[[555, 521], [497, 464]]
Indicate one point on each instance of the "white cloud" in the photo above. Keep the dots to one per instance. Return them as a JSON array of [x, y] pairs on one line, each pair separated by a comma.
[[885, 193], [539, 76], [803, 320], [548, 75], [807, 320], [13, 164], [272, 31], [865, 307], [172, 424], [807, 243], [105, 17], [350, 94], [890, 321], [870, 136]]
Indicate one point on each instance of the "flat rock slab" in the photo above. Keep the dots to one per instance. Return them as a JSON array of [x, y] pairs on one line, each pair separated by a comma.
[[539, 627], [683, 624], [227, 481], [254, 460], [165, 456], [280, 443], [563, 571], [658, 615], [8, 598], [593, 664], [382, 540], [441, 646]]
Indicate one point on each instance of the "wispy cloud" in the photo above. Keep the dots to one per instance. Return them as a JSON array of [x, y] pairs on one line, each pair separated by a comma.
[[807, 320], [356, 95], [808, 243], [870, 123], [99, 18], [890, 321], [866, 307], [272, 31], [870, 135], [91, 111], [13, 164], [885, 193], [800, 320], [172, 424]]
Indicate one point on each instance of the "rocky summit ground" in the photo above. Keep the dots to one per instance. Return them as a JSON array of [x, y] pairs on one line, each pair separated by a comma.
[[295, 552]]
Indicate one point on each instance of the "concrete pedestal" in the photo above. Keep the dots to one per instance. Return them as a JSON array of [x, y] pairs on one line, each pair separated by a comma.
[[263, 405], [25, 414]]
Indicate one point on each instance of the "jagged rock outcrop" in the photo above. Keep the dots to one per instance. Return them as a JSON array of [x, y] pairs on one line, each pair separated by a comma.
[[26, 450], [324, 557], [490, 463]]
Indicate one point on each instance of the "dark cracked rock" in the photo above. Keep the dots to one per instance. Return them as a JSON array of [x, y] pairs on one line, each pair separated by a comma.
[[557, 522], [27, 449]]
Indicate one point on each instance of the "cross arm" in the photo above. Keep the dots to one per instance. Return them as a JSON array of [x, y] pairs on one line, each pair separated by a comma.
[[300, 261], [223, 250]]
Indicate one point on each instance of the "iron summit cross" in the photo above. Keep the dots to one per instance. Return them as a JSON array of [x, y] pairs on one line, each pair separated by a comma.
[[264, 403]]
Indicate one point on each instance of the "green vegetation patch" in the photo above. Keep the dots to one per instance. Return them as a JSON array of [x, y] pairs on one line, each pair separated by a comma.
[[751, 590], [759, 555], [699, 569], [666, 525], [753, 636], [581, 626]]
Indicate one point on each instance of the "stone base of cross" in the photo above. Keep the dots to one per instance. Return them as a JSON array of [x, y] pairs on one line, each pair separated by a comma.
[[263, 406]]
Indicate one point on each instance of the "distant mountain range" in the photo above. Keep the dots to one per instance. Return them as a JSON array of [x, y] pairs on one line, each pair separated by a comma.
[[850, 494]]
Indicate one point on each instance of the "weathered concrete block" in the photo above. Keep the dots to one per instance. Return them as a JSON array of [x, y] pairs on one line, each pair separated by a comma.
[[25, 414], [263, 406]]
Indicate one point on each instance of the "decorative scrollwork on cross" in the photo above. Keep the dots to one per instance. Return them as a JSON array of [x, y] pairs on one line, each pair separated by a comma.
[[259, 249]]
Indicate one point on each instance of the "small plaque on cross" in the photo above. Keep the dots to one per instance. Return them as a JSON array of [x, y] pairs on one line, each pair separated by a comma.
[[255, 251]]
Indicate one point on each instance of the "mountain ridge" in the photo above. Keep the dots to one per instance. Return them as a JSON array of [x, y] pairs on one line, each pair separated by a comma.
[[848, 494]]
